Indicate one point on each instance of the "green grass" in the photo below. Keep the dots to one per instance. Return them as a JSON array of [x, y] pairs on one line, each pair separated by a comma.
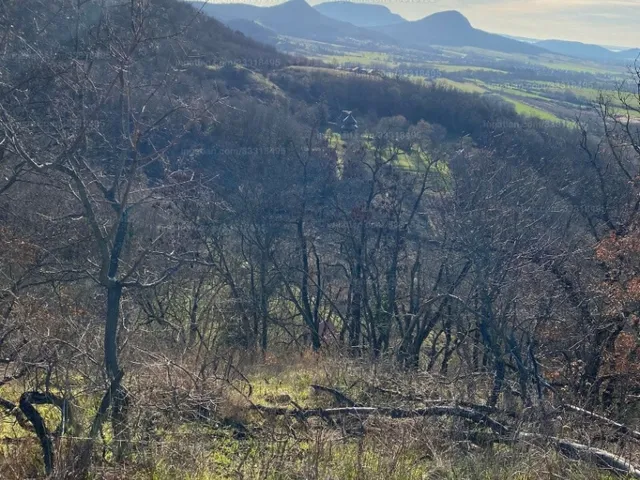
[[449, 68], [363, 58], [554, 62], [469, 87], [516, 92], [531, 111], [572, 66], [290, 448], [507, 94]]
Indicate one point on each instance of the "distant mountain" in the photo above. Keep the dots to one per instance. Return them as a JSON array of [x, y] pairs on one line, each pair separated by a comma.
[[451, 28], [359, 14], [230, 11], [577, 49], [588, 51], [295, 18]]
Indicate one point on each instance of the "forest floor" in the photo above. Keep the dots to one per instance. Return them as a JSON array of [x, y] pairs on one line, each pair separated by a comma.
[[276, 420]]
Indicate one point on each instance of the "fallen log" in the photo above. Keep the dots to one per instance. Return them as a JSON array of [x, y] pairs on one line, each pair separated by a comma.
[[425, 400], [436, 410], [604, 420], [601, 458]]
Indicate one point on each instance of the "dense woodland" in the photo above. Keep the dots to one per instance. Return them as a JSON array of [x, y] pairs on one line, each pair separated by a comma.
[[174, 193]]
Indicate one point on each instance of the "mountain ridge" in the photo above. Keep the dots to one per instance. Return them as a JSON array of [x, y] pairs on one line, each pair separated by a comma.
[[587, 51], [452, 28], [359, 14], [294, 18]]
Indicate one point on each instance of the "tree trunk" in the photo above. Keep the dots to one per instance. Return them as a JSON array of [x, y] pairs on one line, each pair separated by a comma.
[[604, 341], [114, 295], [120, 399], [410, 358], [498, 382], [41, 431], [310, 319], [264, 307]]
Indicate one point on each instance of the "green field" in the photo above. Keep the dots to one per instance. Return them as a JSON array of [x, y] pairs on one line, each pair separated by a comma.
[[445, 67], [565, 87], [530, 111], [361, 58], [470, 87]]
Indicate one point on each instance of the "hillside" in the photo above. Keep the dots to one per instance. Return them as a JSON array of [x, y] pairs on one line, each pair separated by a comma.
[[229, 11], [359, 14], [218, 261], [254, 30], [206, 41], [451, 28]]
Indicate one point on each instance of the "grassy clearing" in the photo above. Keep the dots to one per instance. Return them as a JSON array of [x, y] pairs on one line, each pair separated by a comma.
[[178, 445], [449, 68], [531, 111], [516, 92], [464, 86], [363, 58], [554, 62], [521, 107], [586, 67]]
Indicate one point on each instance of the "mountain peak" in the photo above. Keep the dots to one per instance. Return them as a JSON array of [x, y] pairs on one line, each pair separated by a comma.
[[344, 3], [295, 7], [450, 18], [297, 3], [451, 28], [359, 14]]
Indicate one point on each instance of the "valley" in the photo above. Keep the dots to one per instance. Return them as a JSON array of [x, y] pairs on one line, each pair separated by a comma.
[[542, 84]]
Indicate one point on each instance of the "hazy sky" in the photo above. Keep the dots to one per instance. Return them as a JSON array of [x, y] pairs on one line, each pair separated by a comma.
[[608, 22], [605, 22]]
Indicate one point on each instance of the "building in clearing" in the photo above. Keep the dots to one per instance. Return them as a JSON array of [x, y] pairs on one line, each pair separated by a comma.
[[348, 122]]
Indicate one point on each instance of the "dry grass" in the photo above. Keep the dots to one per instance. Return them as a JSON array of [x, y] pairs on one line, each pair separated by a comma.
[[181, 431]]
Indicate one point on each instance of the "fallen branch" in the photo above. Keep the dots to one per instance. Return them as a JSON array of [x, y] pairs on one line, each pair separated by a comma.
[[604, 420], [399, 394], [422, 399], [340, 397], [601, 458], [437, 411], [569, 448]]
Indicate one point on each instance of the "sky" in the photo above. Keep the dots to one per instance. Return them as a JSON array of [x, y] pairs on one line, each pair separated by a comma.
[[603, 22]]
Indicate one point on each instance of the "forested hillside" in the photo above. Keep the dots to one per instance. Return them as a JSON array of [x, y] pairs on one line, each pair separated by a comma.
[[207, 271]]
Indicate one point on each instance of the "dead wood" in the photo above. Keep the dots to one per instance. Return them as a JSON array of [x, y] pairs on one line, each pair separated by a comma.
[[503, 434], [601, 458], [436, 410], [340, 397], [604, 420], [424, 400]]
